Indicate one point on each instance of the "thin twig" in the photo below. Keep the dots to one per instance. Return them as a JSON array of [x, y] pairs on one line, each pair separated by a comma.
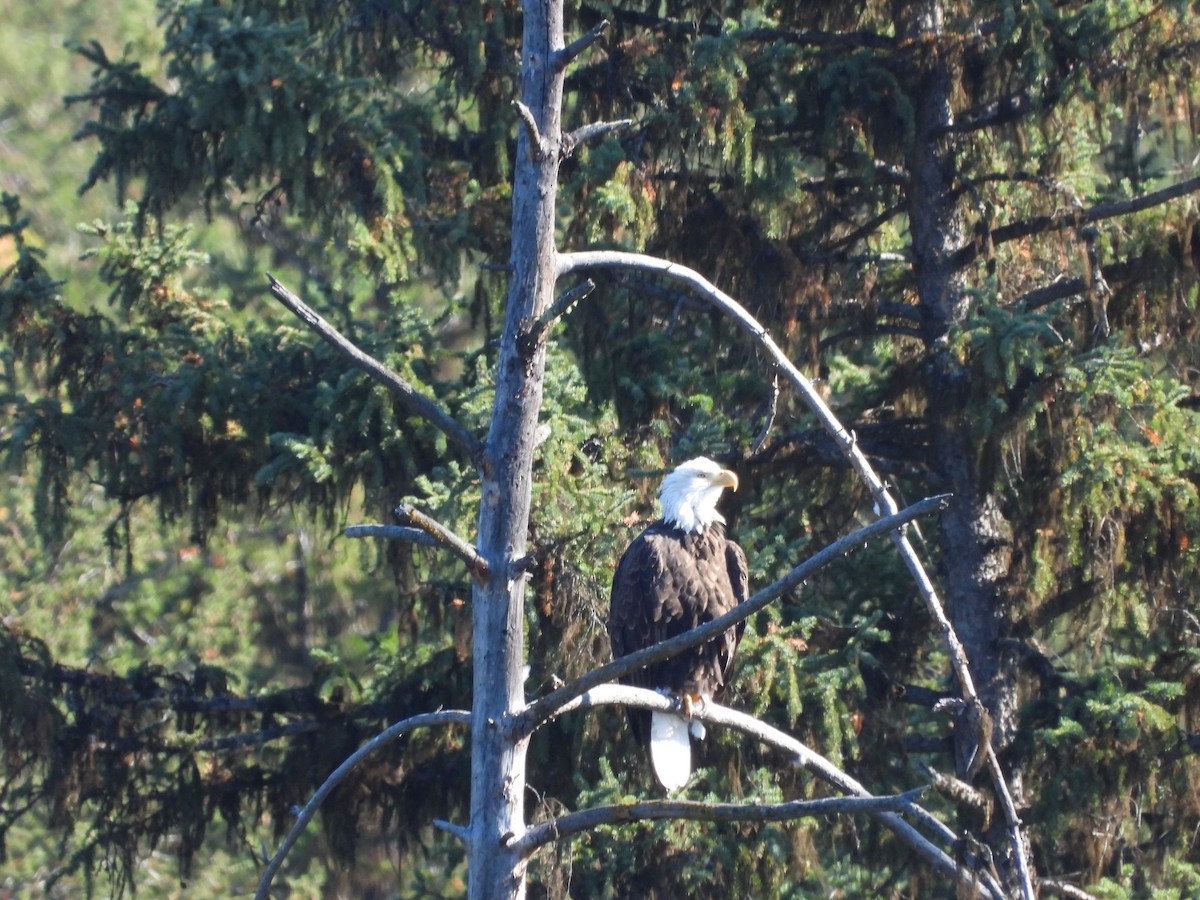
[[557, 310], [442, 717], [552, 704], [572, 51], [410, 515], [253, 738], [418, 403], [142, 744]]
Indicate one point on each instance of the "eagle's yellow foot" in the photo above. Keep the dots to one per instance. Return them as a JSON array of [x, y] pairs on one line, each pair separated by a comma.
[[688, 702], [693, 704]]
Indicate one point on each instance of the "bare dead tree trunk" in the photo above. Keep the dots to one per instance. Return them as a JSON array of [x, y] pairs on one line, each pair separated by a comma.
[[498, 757]]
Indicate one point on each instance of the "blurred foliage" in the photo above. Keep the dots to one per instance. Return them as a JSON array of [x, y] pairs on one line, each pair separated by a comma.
[[186, 649]]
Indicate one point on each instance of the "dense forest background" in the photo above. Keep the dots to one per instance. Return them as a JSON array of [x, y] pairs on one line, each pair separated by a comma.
[[973, 224]]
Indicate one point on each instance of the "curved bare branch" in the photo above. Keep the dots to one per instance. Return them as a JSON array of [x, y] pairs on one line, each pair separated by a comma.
[[425, 720], [844, 439], [591, 260], [973, 708]]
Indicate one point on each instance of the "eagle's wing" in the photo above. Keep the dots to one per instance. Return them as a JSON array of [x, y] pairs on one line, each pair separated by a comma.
[[638, 617], [739, 571], [640, 610], [739, 578]]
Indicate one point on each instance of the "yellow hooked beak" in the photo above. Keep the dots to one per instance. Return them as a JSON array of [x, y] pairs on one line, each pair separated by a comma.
[[726, 478]]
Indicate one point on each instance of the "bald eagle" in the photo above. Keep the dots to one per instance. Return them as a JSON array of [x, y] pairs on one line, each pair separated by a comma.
[[679, 573]]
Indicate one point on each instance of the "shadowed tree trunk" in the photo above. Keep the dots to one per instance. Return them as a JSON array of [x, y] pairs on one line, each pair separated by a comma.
[[975, 537]]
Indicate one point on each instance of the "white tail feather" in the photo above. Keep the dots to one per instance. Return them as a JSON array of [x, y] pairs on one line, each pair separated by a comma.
[[670, 750]]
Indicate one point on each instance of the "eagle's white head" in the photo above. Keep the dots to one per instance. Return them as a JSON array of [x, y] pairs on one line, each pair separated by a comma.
[[689, 495]]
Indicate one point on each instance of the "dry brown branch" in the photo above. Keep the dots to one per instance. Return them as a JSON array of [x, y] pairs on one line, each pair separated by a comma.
[[1077, 217], [413, 517]]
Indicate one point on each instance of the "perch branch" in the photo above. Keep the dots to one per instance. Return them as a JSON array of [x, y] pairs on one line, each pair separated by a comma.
[[416, 402], [444, 537], [884, 503], [577, 47], [425, 720], [549, 706], [803, 756]]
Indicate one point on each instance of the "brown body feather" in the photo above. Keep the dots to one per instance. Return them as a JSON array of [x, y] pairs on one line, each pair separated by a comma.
[[668, 582]]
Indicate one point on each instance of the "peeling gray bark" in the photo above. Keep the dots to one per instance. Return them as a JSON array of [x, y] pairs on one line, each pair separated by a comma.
[[498, 761]]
